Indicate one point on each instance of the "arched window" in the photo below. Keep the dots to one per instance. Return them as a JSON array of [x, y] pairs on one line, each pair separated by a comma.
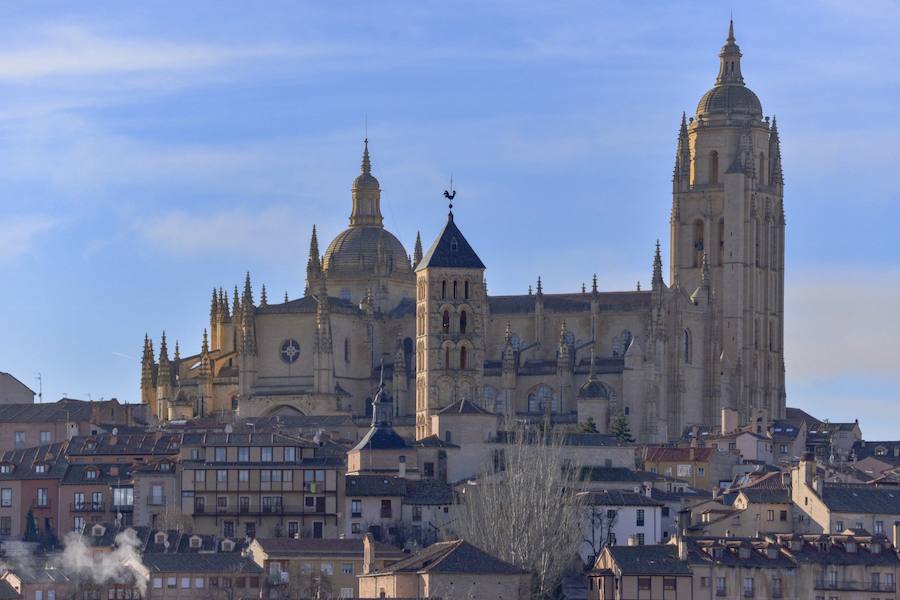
[[466, 290], [542, 398], [713, 167], [699, 245], [756, 335], [443, 289], [454, 289], [463, 355], [771, 336], [447, 357], [762, 169], [347, 350], [445, 321], [721, 241], [463, 321], [491, 399], [621, 343], [448, 437], [687, 345]]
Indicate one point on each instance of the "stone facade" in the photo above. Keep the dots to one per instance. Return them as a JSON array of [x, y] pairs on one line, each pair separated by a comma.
[[666, 357]]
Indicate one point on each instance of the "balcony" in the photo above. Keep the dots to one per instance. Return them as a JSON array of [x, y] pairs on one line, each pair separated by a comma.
[[123, 508], [278, 578], [87, 507], [855, 586], [156, 500], [40, 504], [721, 593]]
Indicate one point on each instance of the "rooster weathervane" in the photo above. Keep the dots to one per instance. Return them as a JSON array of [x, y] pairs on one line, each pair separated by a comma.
[[450, 194]]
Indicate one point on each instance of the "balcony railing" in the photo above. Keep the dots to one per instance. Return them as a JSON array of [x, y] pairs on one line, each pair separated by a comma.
[[721, 593], [88, 507], [156, 500], [40, 503], [855, 586], [261, 510], [123, 508], [279, 578]]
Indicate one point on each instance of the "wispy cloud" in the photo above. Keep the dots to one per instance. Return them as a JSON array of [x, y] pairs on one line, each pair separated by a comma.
[[19, 234], [61, 51], [270, 232]]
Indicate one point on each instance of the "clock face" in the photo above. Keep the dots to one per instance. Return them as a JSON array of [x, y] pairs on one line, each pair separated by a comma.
[[290, 351]]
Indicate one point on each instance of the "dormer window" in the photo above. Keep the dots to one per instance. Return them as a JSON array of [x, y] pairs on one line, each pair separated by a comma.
[[42, 468], [165, 467], [195, 541], [98, 531], [160, 537], [90, 474], [6, 468], [227, 545]]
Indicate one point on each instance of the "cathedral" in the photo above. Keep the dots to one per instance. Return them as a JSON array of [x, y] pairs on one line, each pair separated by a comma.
[[666, 358]]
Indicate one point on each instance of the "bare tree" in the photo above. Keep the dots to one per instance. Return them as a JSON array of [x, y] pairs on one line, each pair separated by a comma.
[[525, 510], [598, 525]]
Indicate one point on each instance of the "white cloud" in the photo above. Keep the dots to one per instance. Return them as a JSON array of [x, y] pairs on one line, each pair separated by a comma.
[[76, 51], [270, 232], [19, 234]]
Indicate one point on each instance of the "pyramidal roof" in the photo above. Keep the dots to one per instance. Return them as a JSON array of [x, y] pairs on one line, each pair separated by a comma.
[[450, 249]]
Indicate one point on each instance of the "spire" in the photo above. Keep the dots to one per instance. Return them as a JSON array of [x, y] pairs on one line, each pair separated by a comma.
[[366, 195], [540, 287], [177, 352], [508, 335], [594, 284], [214, 306], [223, 304], [248, 290], [563, 335], [286, 299], [163, 349], [366, 165], [775, 174], [730, 61], [417, 252], [683, 152], [657, 281], [314, 262], [381, 413], [147, 364], [204, 348], [263, 301], [236, 305]]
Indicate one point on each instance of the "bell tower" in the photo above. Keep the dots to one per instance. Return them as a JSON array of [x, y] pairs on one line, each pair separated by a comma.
[[728, 216], [450, 301]]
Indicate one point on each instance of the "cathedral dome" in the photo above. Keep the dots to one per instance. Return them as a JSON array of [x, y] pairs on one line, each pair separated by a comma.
[[359, 249], [366, 246], [730, 97]]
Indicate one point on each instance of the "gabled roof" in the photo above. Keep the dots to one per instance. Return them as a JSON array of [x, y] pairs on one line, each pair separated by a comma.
[[381, 438], [323, 547], [861, 499], [450, 250], [464, 407], [374, 485], [433, 441], [428, 492], [617, 498], [648, 560], [457, 556], [665, 454], [217, 562], [761, 495]]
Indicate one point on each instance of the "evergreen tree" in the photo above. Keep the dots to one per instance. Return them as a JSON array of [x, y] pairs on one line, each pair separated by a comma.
[[31, 532], [621, 430], [589, 426]]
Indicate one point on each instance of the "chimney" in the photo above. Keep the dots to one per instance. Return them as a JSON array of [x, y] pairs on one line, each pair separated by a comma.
[[632, 540], [402, 468], [807, 468], [368, 553]]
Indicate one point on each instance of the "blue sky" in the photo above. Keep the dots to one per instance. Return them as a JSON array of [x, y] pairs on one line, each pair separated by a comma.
[[151, 151]]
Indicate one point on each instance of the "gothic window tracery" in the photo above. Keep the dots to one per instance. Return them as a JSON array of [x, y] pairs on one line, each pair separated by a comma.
[[687, 349], [698, 243], [621, 343], [541, 398]]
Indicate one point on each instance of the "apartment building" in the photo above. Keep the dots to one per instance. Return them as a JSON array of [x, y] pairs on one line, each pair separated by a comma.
[[95, 493], [262, 484], [29, 483]]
